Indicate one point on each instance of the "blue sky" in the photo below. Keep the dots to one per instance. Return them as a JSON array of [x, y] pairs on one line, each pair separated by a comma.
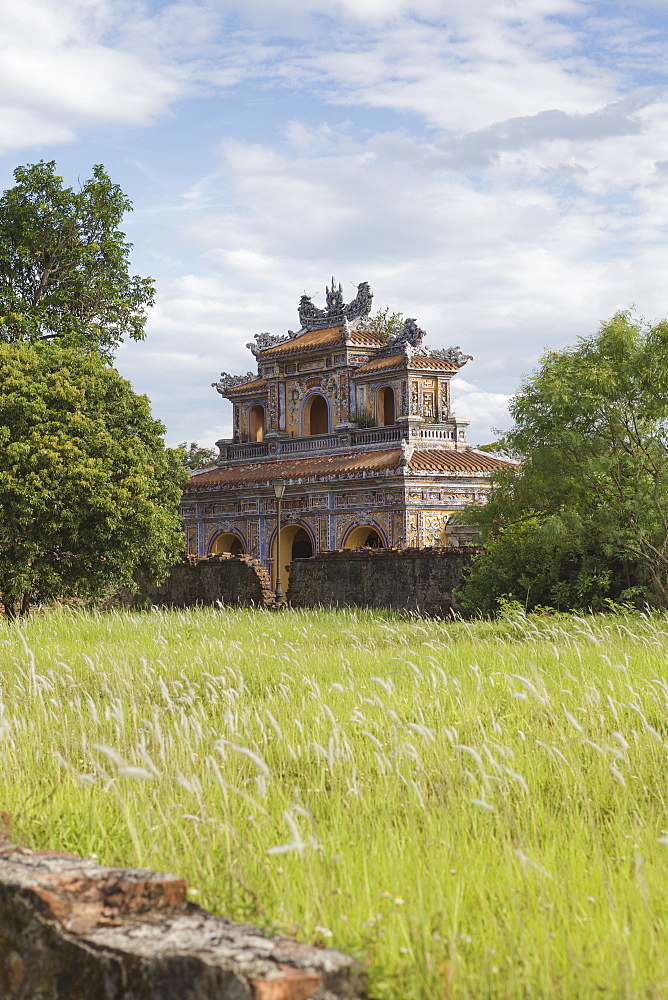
[[497, 169]]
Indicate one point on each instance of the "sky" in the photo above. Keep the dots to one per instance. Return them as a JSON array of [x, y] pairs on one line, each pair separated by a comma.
[[497, 169]]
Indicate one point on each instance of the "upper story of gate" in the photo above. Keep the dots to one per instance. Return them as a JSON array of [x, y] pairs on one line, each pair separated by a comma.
[[337, 383]]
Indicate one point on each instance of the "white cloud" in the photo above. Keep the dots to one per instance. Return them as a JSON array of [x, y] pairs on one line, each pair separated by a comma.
[[550, 235], [520, 200], [487, 411], [63, 67]]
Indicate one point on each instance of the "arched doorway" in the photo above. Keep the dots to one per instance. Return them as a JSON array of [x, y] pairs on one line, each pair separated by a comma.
[[364, 537], [296, 543], [302, 547], [385, 406], [227, 541], [256, 422], [316, 415]]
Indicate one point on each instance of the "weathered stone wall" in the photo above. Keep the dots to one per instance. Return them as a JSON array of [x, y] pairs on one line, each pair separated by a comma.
[[240, 581], [73, 930], [421, 580]]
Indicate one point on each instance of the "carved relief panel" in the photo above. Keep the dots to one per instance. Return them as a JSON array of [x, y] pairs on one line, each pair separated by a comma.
[[281, 406], [344, 405], [415, 398], [444, 399], [433, 527], [360, 403], [398, 537], [331, 388], [294, 393], [273, 407], [428, 399], [208, 531]]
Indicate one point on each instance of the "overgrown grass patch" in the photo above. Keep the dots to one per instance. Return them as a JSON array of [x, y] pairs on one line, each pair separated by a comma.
[[476, 810]]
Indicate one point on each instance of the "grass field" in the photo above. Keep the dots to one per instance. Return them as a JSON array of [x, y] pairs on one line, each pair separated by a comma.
[[475, 810]]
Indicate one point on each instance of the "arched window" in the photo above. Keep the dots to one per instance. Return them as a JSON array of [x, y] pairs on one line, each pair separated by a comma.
[[385, 406], [316, 415], [256, 423]]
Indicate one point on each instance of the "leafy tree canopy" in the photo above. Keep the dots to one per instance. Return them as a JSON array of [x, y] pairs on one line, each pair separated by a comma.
[[88, 492], [384, 323], [196, 456], [64, 263], [584, 519]]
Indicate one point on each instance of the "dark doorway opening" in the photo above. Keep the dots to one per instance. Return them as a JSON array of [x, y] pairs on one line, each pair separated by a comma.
[[317, 416], [373, 541], [302, 547]]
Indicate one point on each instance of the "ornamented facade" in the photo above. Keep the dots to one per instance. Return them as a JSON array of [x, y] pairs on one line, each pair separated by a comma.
[[361, 431]]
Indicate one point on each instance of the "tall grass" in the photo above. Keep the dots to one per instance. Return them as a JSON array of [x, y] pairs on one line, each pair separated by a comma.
[[475, 810]]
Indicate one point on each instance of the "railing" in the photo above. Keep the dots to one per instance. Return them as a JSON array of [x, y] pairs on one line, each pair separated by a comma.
[[376, 435], [431, 433], [352, 438], [251, 449], [317, 442]]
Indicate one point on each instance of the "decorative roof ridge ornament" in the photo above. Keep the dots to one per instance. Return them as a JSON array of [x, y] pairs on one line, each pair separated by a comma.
[[409, 341], [337, 312], [407, 450], [266, 340], [454, 355], [228, 382]]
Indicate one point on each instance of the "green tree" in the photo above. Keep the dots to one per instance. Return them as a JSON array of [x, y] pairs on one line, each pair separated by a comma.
[[64, 263], [384, 323], [584, 518], [196, 456], [88, 493]]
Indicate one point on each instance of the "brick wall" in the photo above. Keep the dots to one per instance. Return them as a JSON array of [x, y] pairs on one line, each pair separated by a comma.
[[421, 580], [240, 581], [71, 929]]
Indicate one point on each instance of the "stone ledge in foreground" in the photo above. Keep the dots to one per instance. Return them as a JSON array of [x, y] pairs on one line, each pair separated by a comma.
[[71, 929]]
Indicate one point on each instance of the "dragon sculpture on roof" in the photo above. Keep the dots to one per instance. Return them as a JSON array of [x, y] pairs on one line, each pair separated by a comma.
[[336, 312]]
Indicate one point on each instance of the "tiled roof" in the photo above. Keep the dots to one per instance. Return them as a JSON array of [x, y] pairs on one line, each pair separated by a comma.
[[381, 365], [438, 460], [316, 340], [259, 473], [433, 364], [352, 464], [254, 386], [402, 361]]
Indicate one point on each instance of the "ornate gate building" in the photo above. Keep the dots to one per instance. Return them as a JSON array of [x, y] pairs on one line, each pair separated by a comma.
[[360, 430]]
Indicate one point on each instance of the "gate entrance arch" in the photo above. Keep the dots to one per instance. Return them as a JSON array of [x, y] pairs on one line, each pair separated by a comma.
[[364, 537], [227, 541]]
